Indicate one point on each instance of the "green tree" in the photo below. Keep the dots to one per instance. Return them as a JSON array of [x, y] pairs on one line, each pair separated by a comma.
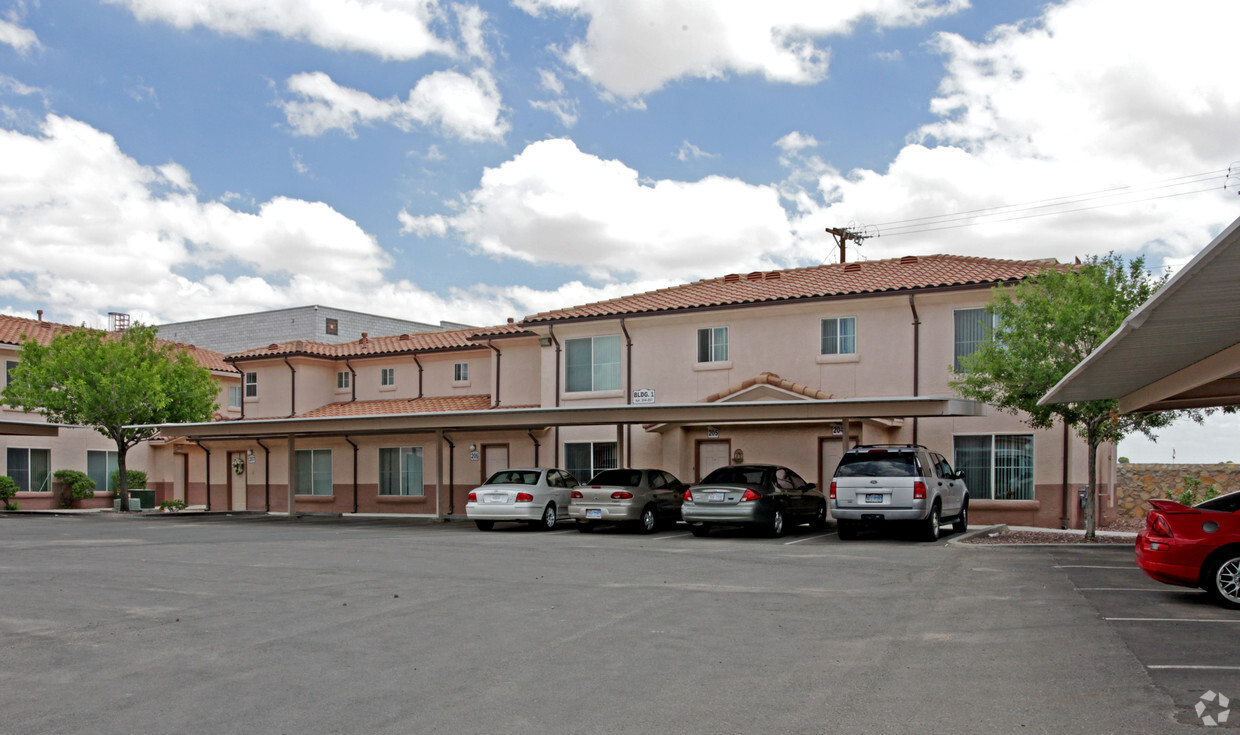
[[1044, 326], [112, 382]]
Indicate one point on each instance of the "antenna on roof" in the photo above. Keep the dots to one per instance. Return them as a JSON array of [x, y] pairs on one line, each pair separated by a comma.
[[843, 234]]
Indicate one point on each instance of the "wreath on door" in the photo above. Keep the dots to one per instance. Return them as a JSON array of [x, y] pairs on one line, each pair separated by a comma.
[[238, 466]]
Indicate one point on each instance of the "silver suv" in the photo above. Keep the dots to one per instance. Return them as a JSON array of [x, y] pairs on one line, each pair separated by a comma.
[[876, 483]]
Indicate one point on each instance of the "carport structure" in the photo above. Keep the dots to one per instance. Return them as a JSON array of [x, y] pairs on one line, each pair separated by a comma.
[[289, 433]]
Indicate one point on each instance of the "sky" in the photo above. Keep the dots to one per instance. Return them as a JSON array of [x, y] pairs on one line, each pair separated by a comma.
[[470, 162]]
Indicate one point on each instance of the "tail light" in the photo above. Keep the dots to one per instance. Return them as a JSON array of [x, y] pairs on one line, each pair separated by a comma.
[[473, 498], [919, 491], [688, 498], [525, 498], [621, 495], [749, 495], [833, 491], [576, 494], [1158, 525]]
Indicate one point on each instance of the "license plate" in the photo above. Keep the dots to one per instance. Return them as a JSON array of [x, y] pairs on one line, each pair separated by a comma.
[[873, 497], [716, 497], [594, 513], [496, 498]]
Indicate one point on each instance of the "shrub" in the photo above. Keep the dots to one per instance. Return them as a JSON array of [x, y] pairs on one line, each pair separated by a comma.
[[8, 488], [172, 505], [77, 484], [137, 479], [1194, 492], [1123, 460]]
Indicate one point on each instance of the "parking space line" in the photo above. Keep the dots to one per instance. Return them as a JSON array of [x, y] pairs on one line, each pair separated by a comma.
[[675, 535], [1090, 566], [1120, 589], [1203, 668], [1169, 620], [808, 538]]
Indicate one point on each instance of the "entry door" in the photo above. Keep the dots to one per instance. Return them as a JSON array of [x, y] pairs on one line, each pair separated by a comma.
[[180, 476], [831, 451], [711, 455], [494, 459]]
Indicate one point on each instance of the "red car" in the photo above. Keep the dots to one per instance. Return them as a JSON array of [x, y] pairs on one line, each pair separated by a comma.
[[1194, 547]]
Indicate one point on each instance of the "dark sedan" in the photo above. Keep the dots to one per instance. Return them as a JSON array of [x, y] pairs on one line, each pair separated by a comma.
[[764, 496]]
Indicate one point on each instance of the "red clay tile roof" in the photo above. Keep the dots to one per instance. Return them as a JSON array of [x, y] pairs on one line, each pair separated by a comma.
[[402, 405], [453, 339], [838, 279], [773, 380], [13, 328]]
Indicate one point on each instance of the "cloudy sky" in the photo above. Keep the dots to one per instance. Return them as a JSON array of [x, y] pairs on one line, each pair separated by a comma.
[[176, 159]]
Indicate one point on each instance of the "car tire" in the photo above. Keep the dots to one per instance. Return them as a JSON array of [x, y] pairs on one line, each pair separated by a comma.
[[1222, 579], [699, 529], [649, 520], [547, 522], [778, 524], [847, 530], [961, 524], [820, 517], [585, 526], [484, 525], [930, 526]]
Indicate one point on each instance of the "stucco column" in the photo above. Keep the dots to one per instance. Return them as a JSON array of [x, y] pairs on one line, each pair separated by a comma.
[[292, 474]]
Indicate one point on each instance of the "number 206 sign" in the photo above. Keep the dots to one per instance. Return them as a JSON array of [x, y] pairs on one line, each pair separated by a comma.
[[643, 395]]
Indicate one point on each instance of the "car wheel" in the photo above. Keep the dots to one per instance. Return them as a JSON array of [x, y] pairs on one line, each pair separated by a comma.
[[1223, 580], [847, 530], [484, 525], [699, 529], [585, 526], [778, 524], [962, 521], [649, 520], [930, 527], [548, 518], [820, 518]]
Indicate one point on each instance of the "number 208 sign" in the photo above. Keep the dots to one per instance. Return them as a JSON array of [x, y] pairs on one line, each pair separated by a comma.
[[643, 395]]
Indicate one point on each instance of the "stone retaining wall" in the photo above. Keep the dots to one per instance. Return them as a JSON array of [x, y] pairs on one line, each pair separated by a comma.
[[1136, 483]]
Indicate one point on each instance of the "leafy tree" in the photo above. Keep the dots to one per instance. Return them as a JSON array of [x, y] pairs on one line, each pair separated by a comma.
[[1044, 326], [112, 382]]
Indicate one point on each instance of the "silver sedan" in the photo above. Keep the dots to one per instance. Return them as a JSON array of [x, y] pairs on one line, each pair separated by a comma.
[[535, 495], [641, 497]]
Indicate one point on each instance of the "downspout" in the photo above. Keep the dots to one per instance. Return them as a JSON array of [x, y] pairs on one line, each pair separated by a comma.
[[916, 356], [556, 342], [208, 451], [1067, 491], [628, 393], [292, 389], [452, 473], [419, 364], [350, 441], [530, 434], [352, 382], [499, 356], [266, 474]]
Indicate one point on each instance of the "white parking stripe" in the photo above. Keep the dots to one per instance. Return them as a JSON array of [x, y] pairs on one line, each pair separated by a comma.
[[1170, 620], [1089, 566], [675, 535], [1120, 589], [1204, 668], [808, 538]]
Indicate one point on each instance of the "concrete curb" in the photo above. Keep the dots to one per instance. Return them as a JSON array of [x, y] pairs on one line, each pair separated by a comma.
[[958, 541]]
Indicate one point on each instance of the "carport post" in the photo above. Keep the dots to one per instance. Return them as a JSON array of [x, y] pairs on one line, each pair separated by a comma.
[[292, 475], [438, 470], [620, 460]]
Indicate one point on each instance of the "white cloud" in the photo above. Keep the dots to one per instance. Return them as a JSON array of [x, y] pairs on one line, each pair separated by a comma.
[[554, 204], [390, 29], [465, 107], [633, 48], [796, 141], [1091, 98], [564, 110], [549, 81], [472, 21], [687, 151], [12, 33]]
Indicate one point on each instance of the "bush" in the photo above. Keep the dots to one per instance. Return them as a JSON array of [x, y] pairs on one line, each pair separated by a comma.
[[1123, 460], [1194, 492], [8, 488], [77, 485], [172, 505], [137, 479]]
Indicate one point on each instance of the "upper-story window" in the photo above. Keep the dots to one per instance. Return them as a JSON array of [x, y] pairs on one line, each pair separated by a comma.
[[331, 326], [8, 370], [460, 372], [839, 336], [387, 376], [712, 344], [972, 328], [234, 396], [343, 379], [592, 363], [251, 385]]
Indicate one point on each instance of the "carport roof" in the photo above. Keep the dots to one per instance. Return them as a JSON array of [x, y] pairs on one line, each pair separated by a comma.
[[1180, 349]]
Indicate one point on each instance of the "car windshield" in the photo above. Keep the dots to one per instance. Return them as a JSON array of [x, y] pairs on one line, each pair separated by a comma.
[[878, 464], [737, 476], [626, 478], [1228, 503], [514, 477]]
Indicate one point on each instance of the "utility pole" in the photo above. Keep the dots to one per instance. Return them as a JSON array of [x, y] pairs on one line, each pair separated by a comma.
[[843, 234]]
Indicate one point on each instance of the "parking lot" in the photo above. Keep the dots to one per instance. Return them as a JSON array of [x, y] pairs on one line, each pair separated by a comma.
[[257, 625]]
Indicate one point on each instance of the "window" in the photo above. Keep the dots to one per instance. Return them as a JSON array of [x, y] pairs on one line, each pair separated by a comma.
[[400, 471], [314, 472], [592, 363], [342, 379], [234, 396], [972, 328], [839, 336], [8, 370], [387, 376], [460, 372], [100, 465], [712, 344], [996, 467], [251, 385], [30, 469], [331, 326], [584, 460]]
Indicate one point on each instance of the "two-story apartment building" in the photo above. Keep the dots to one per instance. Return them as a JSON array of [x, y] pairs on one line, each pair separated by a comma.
[[420, 432]]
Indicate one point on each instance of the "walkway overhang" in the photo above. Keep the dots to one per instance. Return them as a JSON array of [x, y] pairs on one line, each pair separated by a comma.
[[524, 419], [28, 428]]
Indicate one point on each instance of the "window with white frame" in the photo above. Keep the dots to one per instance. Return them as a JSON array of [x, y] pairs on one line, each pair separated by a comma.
[[712, 344], [100, 465], [234, 396], [592, 363], [996, 466], [584, 460], [314, 472], [343, 379], [31, 469], [839, 336], [460, 372], [387, 376], [400, 471], [251, 385], [972, 327]]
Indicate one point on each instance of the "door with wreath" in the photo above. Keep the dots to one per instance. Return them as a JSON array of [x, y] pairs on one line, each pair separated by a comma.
[[238, 469]]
